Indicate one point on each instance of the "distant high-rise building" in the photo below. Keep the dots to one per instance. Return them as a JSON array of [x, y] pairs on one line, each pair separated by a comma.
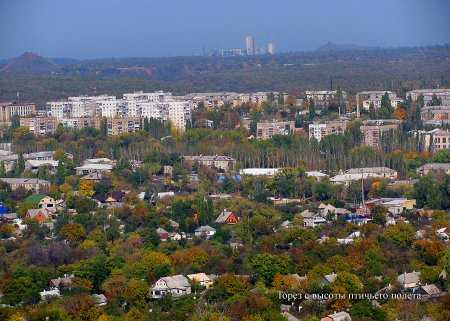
[[250, 45], [271, 48]]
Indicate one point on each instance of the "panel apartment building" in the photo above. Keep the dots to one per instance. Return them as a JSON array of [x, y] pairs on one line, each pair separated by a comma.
[[40, 126], [435, 115], [366, 98], [373, 130], [442, 94], [10, 109], [265, 130], [159, 105], [322, 98], [320, 130]]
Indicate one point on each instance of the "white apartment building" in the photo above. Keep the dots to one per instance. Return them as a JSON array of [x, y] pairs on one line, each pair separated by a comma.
[[365, 98], [324, 96], [442, 94], [159, 105], [320, 130], [256, 98], [59, 109], [317, 131], [84, 106], [211, 99]]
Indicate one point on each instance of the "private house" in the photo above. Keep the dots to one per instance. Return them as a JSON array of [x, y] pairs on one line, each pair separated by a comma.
[[162, 234], [311, 219], [429, 291], [328, 279], [62, 283], [202, 279], [409, 280], [174, 225], [314, 221], [395, 206], [350, 238], [328, 209], [338, 316], [227, 217], [29, 184], [176, 285], [48, 294], [174, 236], [42, 202], [286, 224], [205, 231], [442, 234], [38, 214], [100, 299]]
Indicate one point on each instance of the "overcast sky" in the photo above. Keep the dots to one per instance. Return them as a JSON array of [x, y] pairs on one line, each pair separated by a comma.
[[124, 28]]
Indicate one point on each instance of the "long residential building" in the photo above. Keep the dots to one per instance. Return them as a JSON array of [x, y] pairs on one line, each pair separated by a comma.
[[365, 99], [158, 105], [10, 109], [265, 130], [325, 97], [40, 126], [320, 130], [442, 94], [121, 125], [29, 184], [224, 163], [435, 115]]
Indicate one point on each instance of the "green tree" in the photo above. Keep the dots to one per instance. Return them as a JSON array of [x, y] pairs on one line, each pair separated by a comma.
[[20, 166], [311, 110], [442, 156], [401, 234], [386, 109], [427, 192], [267, 265]]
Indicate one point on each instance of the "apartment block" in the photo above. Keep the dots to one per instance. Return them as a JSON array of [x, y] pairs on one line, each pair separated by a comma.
[[365, 99], [442, 94], [265, 130], [80, 122], [320, 130], [224, 163], [40, 125], [441, 140], [373, 130], [10, 109], [324, 97], [122, 125], [435, 115]]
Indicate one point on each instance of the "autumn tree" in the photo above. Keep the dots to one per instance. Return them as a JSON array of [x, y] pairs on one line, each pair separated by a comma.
[[73, 232]]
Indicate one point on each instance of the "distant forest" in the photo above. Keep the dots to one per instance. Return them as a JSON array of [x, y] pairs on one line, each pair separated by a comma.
[[40, 79]]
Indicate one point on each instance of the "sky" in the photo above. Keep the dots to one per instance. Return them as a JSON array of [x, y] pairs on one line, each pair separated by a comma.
[[148, 28]]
